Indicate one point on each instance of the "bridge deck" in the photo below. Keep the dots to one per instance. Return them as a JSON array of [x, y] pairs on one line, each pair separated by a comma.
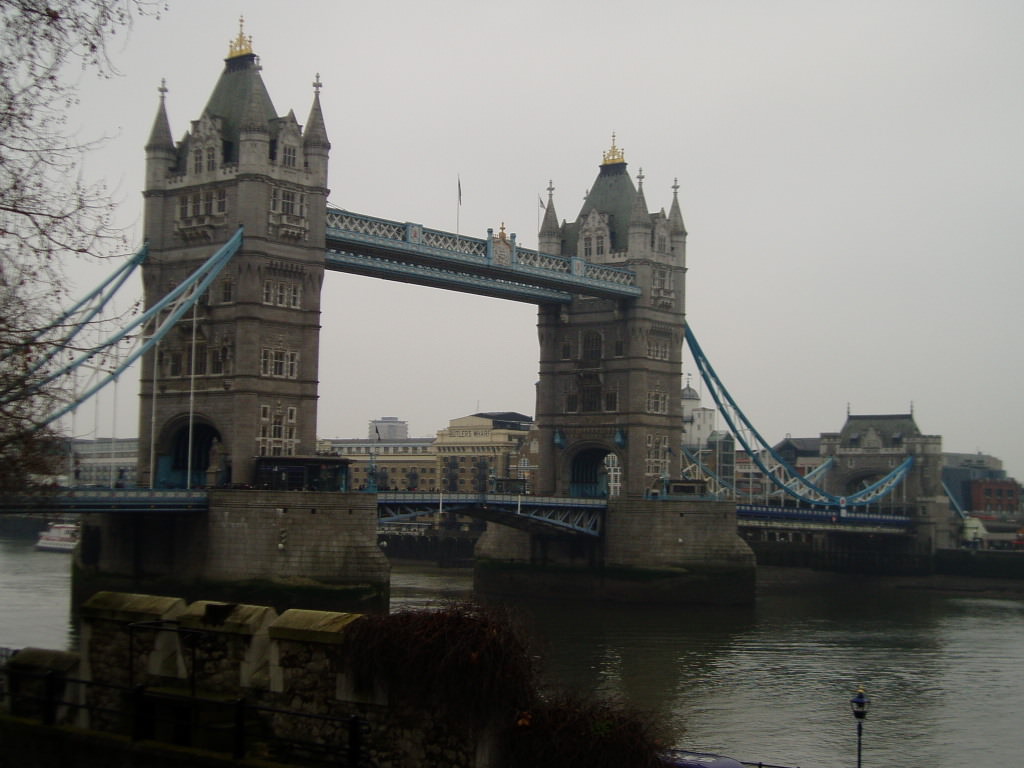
[[412, 253]]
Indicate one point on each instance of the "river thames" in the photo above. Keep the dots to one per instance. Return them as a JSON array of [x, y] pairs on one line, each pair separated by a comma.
[[771, 683]]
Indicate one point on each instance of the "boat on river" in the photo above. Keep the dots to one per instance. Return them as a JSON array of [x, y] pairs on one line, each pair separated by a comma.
[[58, 537]]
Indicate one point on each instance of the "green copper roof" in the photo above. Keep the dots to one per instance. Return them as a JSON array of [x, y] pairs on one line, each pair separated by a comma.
[[238, 97], [613, 193]]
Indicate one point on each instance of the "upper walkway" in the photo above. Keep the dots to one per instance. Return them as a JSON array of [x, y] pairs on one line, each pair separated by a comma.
[[495, 266]]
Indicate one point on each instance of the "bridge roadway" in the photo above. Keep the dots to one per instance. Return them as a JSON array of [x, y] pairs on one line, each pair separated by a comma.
[[572, 516]]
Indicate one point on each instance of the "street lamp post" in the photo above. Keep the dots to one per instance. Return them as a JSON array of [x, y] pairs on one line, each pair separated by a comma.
[[859, 706]]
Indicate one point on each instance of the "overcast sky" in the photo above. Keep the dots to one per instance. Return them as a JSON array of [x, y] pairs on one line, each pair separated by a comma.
[[851, 175]]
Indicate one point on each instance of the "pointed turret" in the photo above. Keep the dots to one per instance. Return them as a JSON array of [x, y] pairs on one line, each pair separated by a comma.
[[676, 225], [314, 140], [550, 236], [160, 153], [639, 222]]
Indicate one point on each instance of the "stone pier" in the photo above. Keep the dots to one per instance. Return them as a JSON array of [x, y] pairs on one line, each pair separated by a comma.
[[289, 549], [652, 551]]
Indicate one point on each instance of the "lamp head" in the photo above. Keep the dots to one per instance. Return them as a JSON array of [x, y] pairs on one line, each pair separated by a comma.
[[859, 703]]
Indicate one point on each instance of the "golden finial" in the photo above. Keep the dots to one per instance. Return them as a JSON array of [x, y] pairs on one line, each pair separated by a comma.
[[613, 155], [501, 232], [241, 45]]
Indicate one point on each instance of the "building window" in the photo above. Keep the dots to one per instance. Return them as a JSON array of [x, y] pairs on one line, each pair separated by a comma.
[[197, 161], [211, 159], [611, 401], [590, 398], [287, 202], [600, 245], [571, 402], [592, 346], [227, 291], [183, 207], [222, 201], [587, 247], [566, 349], [208, 203], [279, 363], [657, 402], [289, 156]]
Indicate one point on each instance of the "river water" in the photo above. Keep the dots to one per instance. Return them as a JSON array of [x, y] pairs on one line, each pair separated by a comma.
[[770, 683]]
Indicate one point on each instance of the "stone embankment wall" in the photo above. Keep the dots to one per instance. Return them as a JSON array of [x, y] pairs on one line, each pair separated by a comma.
[[189, 674]]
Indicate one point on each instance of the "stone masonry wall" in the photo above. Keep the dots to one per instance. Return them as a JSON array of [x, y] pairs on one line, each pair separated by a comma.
[[176, 673]]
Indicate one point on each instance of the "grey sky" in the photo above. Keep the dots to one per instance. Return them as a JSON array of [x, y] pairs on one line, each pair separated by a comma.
[[851, 175]]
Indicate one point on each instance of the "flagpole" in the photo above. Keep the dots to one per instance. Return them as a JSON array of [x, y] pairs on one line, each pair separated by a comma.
[[458, 207]]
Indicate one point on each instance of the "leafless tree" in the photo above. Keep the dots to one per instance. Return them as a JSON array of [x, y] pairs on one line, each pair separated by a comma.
[[49, 214]]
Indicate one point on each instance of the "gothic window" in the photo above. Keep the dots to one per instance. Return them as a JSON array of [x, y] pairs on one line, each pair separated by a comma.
[[592, 346], [600, 245], [227, 291], [275, 199], [211, 159], [289, 156], [199, 360], [566, 349], [183, 207], [217, 361], [571, 402], [590, 398], [611, 401], [292, 412], [619, 348], [268, 292], [175, 364], [657, 402], [196, 202], [222, 201], [282, 294], [587, 247], [279, 363], [197, 161], [287, 202], [295, 296], [208, 203]]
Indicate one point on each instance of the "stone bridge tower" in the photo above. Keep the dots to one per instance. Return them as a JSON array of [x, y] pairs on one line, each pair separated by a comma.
[[611, 370], [243, 382]]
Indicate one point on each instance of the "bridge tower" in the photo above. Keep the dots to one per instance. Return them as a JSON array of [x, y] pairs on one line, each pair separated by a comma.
[[238, 378], [611, 370]]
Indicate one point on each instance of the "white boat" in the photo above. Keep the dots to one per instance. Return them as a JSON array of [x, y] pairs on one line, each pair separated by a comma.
[[59, 537]]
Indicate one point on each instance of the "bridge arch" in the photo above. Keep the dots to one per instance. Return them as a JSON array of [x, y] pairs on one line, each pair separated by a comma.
[[588, 473], [172, 453]]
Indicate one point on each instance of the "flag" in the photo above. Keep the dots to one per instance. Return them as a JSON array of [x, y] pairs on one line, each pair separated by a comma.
[[540, 201], [460, 189], [375, 429]]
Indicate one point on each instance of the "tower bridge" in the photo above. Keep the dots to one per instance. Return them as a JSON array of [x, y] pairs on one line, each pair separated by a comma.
[[230, 379]]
